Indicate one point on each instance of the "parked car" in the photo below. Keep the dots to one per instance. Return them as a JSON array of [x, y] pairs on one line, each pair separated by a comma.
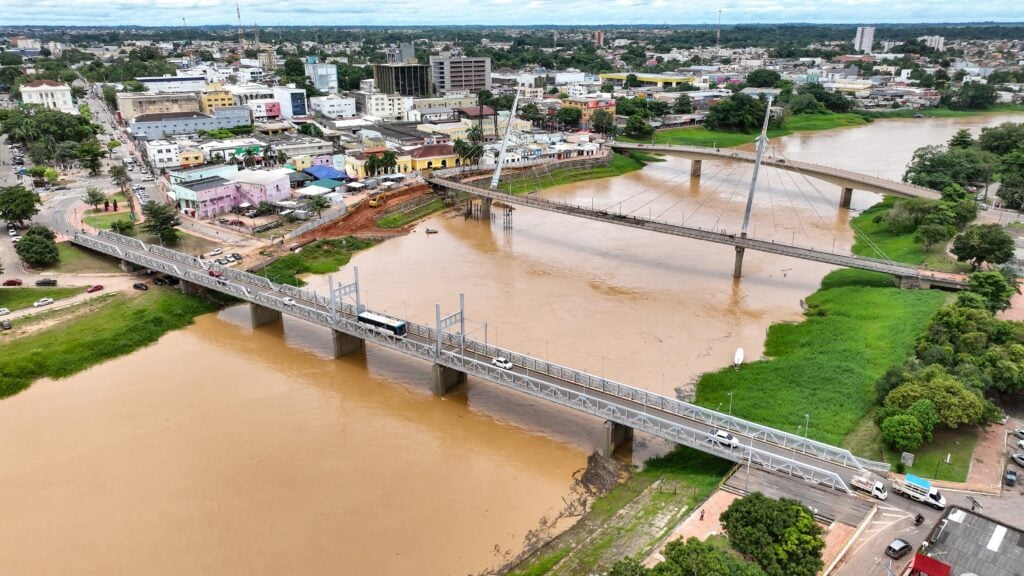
[[46, 281], [140, 286], [236, 256], [42, 302], [4, 311], [160, 281], [501, 362], [216, 252], [251, 213], [1018, 457], [147, 178], [1019, 433], [723, 438], [898, 548], [1011, 478], [1020, 444], [12, 282], [94, 288], [6, 325]]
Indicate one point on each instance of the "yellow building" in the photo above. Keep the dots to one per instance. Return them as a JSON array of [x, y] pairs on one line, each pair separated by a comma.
[[301, 162], [214, 97], [459, 130], [355, 164], [434, 156], [188, 158], [588, 106]]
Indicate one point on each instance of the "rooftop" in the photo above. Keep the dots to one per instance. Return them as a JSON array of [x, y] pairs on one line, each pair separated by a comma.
[[260, 177], [206, 183], [974, 544], [41, 83], [161, 116], [432, 151]]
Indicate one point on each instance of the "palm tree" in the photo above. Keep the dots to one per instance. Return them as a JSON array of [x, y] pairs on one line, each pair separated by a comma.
[[281, 157], [249, 157], [317, 204], [268, 154], [372, 165], [388, 161]]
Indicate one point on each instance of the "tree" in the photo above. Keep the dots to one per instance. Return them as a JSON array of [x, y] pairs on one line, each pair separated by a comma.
[[740, 112], [113, 145], [531, 112], [902, 432], [90, 153], [993, 287], [982, 243], [962, 139], [41, 231], [931, 234], [763, 78], [119, 174], [780, 535], [925, 413], [971, 96], [94, 197], [18, 204], [695, 557], [38, 251], [388, 161], [603, 121], [311, 129], [1011, 190], [249, 157], [569, 115], [683, 105], [372, 165], [637, 127], [631, 81], [161, 220], [938, 168], [317, 204], [627, 567], [955, 404], [1002, 139], [123, 226], [51, 175]]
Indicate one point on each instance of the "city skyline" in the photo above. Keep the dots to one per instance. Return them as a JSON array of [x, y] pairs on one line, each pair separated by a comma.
[[499, 12]]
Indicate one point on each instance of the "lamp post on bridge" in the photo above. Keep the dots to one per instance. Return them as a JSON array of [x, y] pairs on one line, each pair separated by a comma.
[[730, 403]]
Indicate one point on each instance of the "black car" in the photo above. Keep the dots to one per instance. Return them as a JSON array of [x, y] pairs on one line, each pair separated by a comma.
[[46, 282], [140, 286], [160, 281], [6, 325], [898, 548], [1011, 478]]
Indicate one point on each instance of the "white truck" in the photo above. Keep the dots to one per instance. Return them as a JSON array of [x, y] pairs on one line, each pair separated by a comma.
[[868, 484], [921, 490]]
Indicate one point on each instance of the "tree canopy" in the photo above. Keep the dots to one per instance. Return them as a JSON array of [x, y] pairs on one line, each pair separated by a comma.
[[780, 535], [739, 113], [18, 204]]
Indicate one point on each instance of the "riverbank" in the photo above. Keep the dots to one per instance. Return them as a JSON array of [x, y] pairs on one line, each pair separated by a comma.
[[701, 136], [618, 165], [874, 240], [319, 257], [120, 324], [942, 112], [632, 518]]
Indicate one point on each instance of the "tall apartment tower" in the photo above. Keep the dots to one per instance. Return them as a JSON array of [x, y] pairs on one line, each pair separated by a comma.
[[460, 74], [403, 79], [864, 39], [597, 36]]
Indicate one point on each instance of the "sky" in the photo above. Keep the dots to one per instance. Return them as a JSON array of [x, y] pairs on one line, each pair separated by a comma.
[[500, 12]]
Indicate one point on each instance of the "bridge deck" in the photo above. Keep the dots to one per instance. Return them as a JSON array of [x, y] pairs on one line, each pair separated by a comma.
[[668, 418]]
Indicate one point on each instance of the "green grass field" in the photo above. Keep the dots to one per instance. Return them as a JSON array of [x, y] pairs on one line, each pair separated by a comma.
[[402, 219], [857, 326], [700, 136], [875, 241], [120, 326], [102, 220], [75, 260], [18, 298], [618, 165], [320, 257], [942, 112]]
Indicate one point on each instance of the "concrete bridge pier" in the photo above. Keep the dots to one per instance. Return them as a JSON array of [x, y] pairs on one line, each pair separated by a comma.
[[847, 196], [912, 282], [445, 378], [737, 269], [187, 287], [485, 208], [695, 168], [345, 344], [261, 315], [126, 266], [615, 436]]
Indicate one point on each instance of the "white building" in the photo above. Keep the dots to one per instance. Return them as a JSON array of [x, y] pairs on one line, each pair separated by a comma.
[[569, 77], [293, 101], [162, 153], [576, 90], [864, 39], [50, 94], [324, 76], [381, 105], [173, 83], [934, 42], [334, 106]]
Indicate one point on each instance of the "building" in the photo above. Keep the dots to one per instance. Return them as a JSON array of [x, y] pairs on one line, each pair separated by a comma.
[[299, 145], [937, 43], [333, 106], [449, 100], [323, 75], [161, 153], [460, 74], [293, 101], [267, 59], [966, 542], [131, 105], [355, 164], [158, 126], [588, 105], [381, 105], [597, 36], [53, 95], [162, 84], [405, 53], [263, 110], [246, 93], [403, 79], [864, 39], [255, 186], [659, 80], [213, 97]]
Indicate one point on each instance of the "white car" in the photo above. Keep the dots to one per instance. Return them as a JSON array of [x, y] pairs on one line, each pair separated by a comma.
[[216, 252], [288, 301], [723, 438], [503, 363], [147, 178], [1020, 444], [42, 302], [4, 311]]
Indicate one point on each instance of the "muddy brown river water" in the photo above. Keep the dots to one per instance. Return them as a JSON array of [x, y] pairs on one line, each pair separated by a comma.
[[224, 450]]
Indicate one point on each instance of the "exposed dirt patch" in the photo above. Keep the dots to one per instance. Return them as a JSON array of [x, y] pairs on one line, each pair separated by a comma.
[[361, 221]]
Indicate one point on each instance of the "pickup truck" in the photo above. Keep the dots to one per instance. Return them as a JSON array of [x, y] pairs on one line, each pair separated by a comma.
[[921, 490], [868, 484]]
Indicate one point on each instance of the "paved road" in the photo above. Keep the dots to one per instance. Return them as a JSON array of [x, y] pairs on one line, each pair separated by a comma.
[[666, 417]]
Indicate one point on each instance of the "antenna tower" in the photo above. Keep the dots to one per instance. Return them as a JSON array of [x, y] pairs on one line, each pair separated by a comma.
[[241, 36]]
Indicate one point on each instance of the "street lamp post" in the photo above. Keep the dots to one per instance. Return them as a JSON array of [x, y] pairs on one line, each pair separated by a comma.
[[730, 403]]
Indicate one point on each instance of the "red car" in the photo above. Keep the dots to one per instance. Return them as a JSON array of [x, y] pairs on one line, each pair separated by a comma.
[[216, 273], [12, 282], [95, 288]]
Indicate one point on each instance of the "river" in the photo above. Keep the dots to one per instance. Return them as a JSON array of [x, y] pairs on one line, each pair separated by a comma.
[[224, 450]]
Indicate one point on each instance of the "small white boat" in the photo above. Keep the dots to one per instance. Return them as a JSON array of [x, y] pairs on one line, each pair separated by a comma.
[[738, 358]]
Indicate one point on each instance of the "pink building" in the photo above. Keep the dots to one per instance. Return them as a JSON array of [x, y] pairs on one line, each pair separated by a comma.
[[214, 195], [255, 186]]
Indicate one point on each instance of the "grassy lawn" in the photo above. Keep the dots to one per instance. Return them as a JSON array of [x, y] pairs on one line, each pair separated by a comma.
[[102, 220], [120, 326], [75, 260], [320, 257], [900, 247], [700, 136], [959, 444], [18, 298], [618, 165], [621, 523], [401, 219], [943, 112], [857, 326], [187, 243]]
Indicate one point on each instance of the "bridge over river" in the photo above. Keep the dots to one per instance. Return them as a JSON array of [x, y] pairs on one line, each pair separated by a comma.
[[454, 357]]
